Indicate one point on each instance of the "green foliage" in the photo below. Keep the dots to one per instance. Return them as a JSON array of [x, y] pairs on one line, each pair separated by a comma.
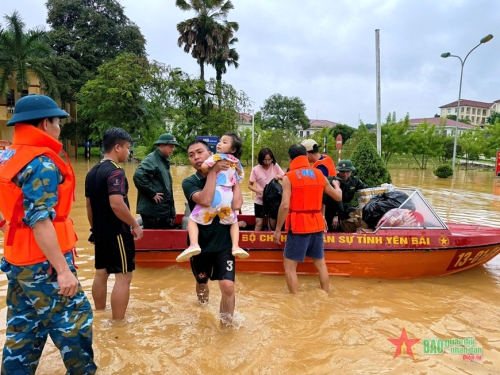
[[279, 141], [425, 141], [472, 142], [494, 117], [492, 138], [196, 109], [285, 113], [443, 171], [345, 130], [22, 51], [448, 144], [452, 117], [86, 34], [358, 135], [370, 167], [394, 137], [207, 34], [114, 98]]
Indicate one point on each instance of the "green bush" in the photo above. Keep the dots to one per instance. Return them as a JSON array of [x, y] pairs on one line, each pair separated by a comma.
[[443, 171], [370, 167]]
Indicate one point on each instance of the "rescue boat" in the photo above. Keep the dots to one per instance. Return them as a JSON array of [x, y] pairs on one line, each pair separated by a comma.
[[427, 249]]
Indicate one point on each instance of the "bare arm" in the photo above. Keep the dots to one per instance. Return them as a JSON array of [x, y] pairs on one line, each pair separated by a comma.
[[284, 207], [237, 197], [89, 212], [46, 239], [252, 186], [122, 212], [333, 190], [205, 168], [205, 197]]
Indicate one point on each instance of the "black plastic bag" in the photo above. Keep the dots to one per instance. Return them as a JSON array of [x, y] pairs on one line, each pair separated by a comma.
[[271, 197], [382, 203]]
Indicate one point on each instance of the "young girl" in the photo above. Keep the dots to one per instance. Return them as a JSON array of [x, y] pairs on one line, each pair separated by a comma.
[[228, 148]]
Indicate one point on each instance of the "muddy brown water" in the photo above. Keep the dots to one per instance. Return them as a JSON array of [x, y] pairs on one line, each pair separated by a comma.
[[345, 331]]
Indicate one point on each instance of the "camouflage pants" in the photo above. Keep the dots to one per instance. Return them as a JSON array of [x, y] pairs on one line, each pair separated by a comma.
[[35, 310]]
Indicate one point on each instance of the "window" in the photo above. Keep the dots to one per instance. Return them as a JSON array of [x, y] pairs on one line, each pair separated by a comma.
[[25, 93], [449, 110], [11, 101], [301, 133]]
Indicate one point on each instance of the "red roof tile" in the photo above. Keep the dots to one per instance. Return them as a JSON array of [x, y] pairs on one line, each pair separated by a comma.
[[469, 103]]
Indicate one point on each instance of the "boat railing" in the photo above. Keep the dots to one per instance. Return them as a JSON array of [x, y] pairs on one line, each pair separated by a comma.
[[418, 206]]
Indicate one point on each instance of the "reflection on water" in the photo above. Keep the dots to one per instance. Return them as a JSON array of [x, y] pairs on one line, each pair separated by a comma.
[[277, 333]]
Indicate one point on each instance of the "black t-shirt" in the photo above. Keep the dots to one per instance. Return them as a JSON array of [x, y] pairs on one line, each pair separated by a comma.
[[213, 237], [104, 179]]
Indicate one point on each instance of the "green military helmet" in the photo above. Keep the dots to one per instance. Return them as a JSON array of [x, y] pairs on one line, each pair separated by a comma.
[[345, 165]]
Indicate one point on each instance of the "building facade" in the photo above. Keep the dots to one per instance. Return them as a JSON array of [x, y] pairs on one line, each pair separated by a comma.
[[8, 102], [476, 112]]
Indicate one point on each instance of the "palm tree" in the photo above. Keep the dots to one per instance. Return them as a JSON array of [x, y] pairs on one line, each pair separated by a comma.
[[208, 31], [223, 57], [21, 52]]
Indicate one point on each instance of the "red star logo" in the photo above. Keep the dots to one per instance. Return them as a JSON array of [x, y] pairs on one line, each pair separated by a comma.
[[404, 340]]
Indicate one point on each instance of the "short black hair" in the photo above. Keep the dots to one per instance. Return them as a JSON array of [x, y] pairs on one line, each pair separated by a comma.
[[264, 151], [37, 121], [198, 141], [235, 143], [113, 137], [296, 150]]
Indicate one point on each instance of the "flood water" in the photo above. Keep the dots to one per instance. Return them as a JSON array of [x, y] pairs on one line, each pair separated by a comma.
[[345, 331]]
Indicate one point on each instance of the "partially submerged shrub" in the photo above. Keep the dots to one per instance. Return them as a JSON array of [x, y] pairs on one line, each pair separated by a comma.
[[443, 171]]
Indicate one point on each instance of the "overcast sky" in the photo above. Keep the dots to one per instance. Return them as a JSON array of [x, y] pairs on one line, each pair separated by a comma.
[[324, 51]]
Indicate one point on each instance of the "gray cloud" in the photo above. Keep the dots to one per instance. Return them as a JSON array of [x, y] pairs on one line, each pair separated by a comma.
[[324, 51]]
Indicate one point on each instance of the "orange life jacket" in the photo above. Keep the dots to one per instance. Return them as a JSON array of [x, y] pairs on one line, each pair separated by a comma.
[[304, 215], [20, 247], [328, 163]]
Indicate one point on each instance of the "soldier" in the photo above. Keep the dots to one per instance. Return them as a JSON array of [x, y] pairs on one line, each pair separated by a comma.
[[335, 212], [44, 295]]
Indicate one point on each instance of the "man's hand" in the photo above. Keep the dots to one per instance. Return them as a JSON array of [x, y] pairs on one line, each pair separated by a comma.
[[277, 236], [68, 284], [137, 232], [336, 184], [335, 222], [221, 165], [158, 197]]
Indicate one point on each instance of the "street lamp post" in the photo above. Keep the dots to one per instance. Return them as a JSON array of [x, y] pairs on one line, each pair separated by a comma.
[[253, 131], [486, 39]]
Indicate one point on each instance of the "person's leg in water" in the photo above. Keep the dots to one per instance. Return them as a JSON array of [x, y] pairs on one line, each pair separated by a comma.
[[324, 279], [235, 237], [100, 288], [194, 247], [120, 295], [227, 301]]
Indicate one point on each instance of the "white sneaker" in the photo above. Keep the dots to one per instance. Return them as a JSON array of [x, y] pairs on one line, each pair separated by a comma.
[[188, 253], [240, 253]]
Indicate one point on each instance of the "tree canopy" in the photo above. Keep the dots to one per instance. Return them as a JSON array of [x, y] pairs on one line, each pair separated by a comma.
[[86, 34], [115, 97], [22, 51], [208, 35], [285, 113]]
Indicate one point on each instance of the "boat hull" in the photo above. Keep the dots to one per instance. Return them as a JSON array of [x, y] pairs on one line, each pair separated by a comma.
[[387, 254]]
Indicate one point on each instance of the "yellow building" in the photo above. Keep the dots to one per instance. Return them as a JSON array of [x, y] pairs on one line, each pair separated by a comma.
[[8, 102]]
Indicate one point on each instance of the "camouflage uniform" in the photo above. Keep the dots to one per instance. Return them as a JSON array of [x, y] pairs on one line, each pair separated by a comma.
[[34, 307]]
